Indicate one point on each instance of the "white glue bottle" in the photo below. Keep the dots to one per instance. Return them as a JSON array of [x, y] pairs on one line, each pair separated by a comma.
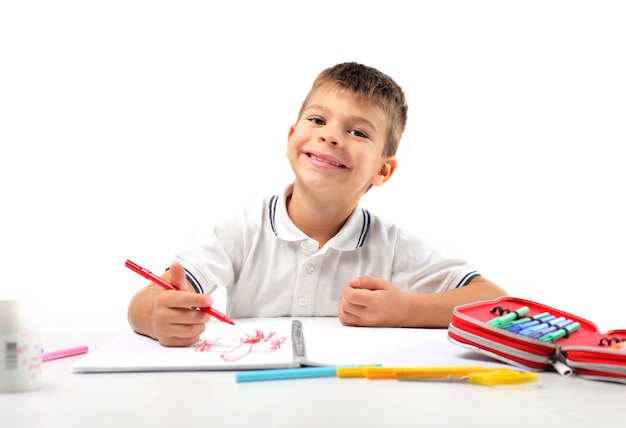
[[20, 348]]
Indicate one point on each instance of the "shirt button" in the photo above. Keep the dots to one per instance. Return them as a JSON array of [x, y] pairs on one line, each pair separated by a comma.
[[302, 301], [304, 245], [310, 268]]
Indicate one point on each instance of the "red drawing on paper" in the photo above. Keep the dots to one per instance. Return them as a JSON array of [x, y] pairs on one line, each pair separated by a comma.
[[256, 343]]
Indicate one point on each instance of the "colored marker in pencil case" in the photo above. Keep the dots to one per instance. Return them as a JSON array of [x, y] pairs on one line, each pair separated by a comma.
[[513, 315], [551, 337]]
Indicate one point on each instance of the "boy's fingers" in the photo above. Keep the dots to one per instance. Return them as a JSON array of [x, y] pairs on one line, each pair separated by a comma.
[[367, 283], [190, 299], [178, 278], [354, 298]]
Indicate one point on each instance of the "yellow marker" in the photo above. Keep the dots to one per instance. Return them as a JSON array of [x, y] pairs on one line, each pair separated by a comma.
[[469, 374], [484, 376], [357, 371], [437, 372], [378, 372]]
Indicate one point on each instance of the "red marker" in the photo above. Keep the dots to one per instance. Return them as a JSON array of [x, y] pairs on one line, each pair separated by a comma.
[[163, 283]]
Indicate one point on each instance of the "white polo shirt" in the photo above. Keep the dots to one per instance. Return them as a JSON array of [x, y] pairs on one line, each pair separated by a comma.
[[272, 269]]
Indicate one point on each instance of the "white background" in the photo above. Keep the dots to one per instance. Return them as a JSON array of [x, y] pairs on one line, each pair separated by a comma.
[[125, 125]]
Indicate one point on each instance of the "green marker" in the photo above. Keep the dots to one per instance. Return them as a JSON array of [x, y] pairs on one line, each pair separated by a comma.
[[551, 337], [499, 321]]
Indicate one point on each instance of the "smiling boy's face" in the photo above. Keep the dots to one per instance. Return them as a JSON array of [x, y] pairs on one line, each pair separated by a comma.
[[337, 145]]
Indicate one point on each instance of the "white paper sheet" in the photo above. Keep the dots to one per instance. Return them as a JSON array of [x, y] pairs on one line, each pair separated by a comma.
[[266, 343]]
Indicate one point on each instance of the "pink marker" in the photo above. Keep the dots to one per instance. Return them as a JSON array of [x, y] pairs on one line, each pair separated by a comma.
[[63, 353]]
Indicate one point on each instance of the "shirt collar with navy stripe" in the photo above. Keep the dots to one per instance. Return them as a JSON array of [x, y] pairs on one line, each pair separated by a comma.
[[352, 235]]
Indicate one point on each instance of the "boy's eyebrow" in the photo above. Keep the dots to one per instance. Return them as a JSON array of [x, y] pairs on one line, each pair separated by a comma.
[[314, 106]]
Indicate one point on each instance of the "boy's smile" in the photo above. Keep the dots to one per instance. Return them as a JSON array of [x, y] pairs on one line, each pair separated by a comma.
[[324, 161]]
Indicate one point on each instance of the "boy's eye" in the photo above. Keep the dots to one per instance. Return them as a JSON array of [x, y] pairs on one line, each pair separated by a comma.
[[316, 120], [358, 133]]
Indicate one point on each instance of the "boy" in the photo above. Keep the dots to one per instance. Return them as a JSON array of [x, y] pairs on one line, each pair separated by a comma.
[[312, 251]]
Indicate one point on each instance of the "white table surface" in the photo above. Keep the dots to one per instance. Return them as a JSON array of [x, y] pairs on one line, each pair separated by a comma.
[[168, 399]]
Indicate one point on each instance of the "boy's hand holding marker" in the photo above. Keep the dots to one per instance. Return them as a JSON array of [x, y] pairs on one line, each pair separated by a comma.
[[182, 325], [175, 317]]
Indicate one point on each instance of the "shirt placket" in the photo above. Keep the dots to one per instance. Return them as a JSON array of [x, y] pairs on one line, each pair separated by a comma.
[[308, 277]]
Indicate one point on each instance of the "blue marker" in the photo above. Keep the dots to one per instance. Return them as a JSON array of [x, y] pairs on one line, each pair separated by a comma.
[[279, 374], [524, 320], [521, 327], [551, 337], [531, 330], [540, 333]]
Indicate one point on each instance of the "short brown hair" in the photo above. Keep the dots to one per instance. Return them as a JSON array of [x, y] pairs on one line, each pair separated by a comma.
[[368, 84]]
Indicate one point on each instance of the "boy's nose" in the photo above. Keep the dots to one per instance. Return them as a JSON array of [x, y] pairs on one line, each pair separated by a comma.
[[329, 139]]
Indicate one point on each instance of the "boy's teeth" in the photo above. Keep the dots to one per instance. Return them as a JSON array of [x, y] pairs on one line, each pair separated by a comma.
[[326, 161]]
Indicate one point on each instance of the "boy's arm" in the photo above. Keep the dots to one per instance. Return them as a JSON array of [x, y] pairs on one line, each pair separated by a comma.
[[435, 310], [369, 301], [167, 315]]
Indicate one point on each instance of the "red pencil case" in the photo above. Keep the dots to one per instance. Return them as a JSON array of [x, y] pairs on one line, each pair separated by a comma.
[[586, 351]]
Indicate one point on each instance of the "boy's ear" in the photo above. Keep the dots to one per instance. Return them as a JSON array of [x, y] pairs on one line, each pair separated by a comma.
[[386, 171], [292, 129]]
